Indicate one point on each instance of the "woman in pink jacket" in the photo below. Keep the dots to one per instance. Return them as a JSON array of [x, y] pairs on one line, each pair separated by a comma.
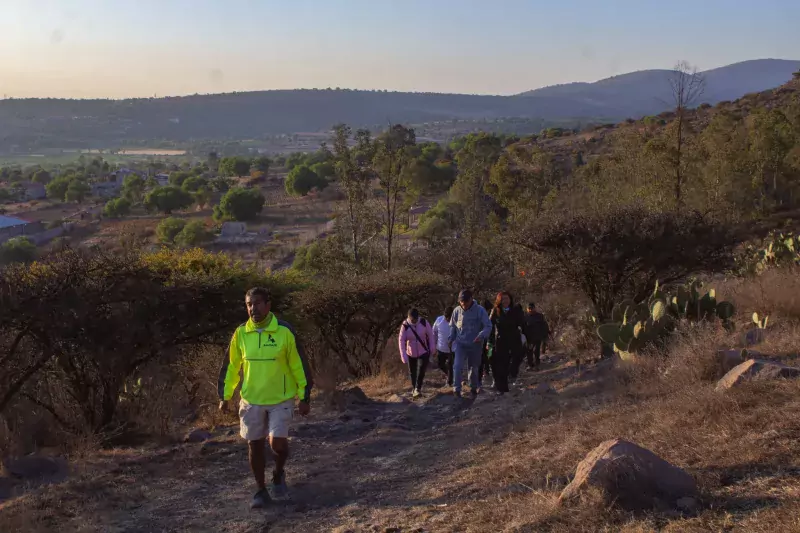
[[416, 347]]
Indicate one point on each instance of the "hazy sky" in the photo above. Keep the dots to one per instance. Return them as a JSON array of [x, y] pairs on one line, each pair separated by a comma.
[[119, 48]]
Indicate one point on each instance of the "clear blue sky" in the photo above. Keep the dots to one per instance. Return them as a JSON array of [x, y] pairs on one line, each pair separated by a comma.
[[118, 48]]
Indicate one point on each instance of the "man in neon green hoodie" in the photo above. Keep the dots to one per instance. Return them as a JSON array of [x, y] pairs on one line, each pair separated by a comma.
[[275, 372]]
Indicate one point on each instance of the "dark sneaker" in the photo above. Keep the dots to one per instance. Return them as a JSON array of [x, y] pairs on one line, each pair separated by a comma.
[[457, 393], [260, 500], [474, 393], [278, 490]]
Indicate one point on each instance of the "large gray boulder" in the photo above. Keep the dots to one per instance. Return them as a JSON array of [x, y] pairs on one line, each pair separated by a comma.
[[632, 477], [756, 370]]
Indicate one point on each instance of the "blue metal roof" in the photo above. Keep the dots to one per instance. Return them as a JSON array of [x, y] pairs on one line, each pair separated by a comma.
[[7, 222]]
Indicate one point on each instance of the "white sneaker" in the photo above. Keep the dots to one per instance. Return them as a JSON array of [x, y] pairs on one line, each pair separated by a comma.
[[415, 394]]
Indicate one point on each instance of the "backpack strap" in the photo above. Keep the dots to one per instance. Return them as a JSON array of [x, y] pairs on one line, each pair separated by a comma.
[[414, 331]]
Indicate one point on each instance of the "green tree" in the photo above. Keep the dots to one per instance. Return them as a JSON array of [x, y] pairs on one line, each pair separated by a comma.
[[234, 166], [239, 204], [193, 233], [17, 250], [167, 199], [324, 169], [179, 177], [222, 184], [41, 176], [133, 188], [77, 191], [57, 189], [262, 164], [169, 228], [202, 197], [194, 184], [475, 160], [117, 208], [522, 179], [301, 180], [295, 159]]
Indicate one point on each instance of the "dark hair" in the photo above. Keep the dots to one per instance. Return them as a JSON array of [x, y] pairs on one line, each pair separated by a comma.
[[261, 292], [413, 313], [448, 312], [531, 305], [498, 301]]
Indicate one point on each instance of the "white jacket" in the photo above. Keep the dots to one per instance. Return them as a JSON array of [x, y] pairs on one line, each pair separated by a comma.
[[441, 334]]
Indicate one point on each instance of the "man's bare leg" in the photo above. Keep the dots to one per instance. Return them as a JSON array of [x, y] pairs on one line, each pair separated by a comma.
[[280, 450], [258, 461]]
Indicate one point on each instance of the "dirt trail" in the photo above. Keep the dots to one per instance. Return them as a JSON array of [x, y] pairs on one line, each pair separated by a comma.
[[382, 463]]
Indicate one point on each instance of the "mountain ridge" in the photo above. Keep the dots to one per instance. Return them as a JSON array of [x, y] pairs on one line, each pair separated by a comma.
[[44, 124]]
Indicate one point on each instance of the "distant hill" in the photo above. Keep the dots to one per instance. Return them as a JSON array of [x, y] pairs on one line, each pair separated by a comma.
[[644, 92], [31, 125]]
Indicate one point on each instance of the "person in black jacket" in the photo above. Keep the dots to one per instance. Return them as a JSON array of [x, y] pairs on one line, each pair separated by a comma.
[[536, 333], [507, 321]]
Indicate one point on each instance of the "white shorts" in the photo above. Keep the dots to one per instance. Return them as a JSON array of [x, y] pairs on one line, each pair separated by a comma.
[[258, 421]]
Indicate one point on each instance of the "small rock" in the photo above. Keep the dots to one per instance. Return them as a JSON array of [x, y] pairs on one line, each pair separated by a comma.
[[632, 477], [34, 467], [756, 370], [197, 435]]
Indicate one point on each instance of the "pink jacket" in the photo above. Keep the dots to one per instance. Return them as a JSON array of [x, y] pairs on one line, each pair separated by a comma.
[[410, 346]]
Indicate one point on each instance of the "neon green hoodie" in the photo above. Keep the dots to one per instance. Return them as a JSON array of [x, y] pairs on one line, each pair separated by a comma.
[[272, 361]]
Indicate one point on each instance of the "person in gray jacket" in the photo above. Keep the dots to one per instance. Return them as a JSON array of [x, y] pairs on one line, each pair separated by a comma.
[[469, 329]]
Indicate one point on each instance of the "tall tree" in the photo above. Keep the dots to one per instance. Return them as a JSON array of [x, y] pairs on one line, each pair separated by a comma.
[[353, 171], [393, 155], [475, 161], [686, 88]]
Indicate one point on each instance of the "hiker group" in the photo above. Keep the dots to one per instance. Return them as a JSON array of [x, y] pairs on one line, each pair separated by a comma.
[[268, 359], [489, 340]]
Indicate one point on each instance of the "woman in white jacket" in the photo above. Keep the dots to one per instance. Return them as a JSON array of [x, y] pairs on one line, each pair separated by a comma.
[[441, 336]]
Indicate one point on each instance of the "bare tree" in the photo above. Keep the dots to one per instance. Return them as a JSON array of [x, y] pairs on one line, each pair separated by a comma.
[[354, 174], [686, 88], [392, 158]]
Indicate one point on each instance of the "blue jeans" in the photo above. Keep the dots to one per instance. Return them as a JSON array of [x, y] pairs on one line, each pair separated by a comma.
[[469, 356]]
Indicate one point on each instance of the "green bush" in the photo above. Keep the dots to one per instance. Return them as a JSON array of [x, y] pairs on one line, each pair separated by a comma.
[[169, 228], [17, 250], [167, 199], [193, 234], [301, 180], [81, 327], [117, 208], [240, 204]]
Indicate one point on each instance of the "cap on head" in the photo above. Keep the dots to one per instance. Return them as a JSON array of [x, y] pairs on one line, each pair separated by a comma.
[[465, 295]]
